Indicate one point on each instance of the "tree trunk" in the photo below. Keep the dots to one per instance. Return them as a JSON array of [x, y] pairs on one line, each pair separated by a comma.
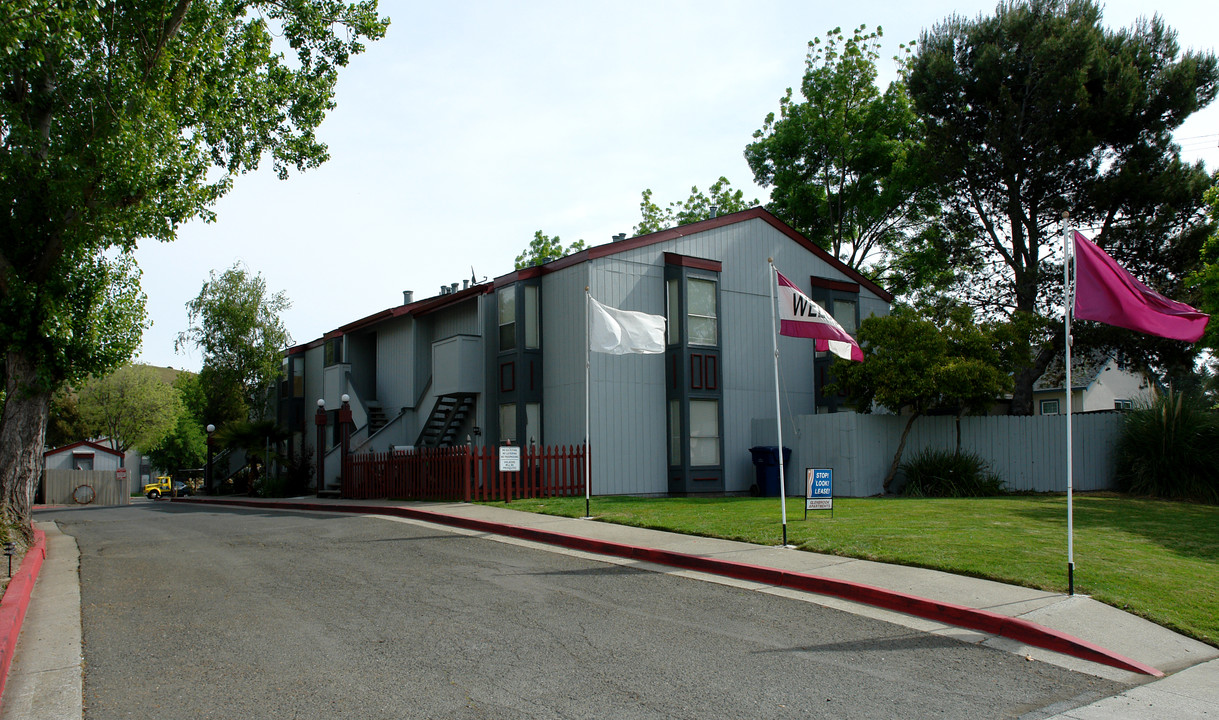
[[23, 427], [1022, 386], [897, 457]]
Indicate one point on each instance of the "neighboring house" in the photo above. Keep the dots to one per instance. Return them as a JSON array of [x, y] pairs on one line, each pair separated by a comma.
[[504, 361], [1098, 383], [84, 455]]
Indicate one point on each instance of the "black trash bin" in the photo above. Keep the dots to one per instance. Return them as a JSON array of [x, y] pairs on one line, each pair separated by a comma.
[[766, 468]]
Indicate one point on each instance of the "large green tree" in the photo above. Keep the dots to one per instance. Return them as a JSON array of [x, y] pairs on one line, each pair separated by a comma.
[[916, 362], [1038, 110], [235, 322], [836, 162], [186, 444], [132, 407], [698, 206], [1206, 278], [120, 121]]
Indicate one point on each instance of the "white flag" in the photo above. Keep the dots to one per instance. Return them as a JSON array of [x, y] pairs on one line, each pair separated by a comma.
[[623, 332]]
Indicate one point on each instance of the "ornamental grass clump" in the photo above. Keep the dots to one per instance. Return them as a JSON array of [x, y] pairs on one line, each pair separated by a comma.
[[940, 473], [1170, 449]]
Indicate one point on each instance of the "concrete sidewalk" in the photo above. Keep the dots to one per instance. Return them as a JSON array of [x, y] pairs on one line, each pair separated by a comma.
[[45, 681], [945, 603]]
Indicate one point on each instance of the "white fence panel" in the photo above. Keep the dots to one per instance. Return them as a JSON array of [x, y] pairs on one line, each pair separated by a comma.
[[1028, 453], [85, 487]]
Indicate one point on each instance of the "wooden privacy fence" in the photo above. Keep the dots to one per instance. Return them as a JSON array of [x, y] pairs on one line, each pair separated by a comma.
[[464, 473], [85, 487]]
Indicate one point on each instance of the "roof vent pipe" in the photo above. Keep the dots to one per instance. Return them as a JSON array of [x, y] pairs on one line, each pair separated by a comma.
[[453, 288], [465, 284], [408, 297], [715, 211], [620, 237]]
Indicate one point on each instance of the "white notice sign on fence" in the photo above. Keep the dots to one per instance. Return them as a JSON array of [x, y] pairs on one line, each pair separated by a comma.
[[510, 458]]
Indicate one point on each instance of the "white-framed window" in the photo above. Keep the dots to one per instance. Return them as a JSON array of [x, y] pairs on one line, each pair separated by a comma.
[[533, 424], [672, 310], [507, 422], [702, 323], [704, 433], [533, 329], [507, 318], [1049, 407], [845, 312], [675, 432], [1123, 404]]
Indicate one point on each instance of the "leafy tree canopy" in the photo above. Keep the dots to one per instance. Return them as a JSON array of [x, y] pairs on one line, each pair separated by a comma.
[[1206, 278], [837, 163], [543, 249], [697, 207], [131, 407], [119, 122], [235, 322], [186, 444], [918, 362], [1039, 110]]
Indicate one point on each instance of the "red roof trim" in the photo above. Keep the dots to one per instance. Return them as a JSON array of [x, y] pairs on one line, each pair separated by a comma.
[[834, 284], [83, 443], [759, 213], [415, 309], [693, 262]]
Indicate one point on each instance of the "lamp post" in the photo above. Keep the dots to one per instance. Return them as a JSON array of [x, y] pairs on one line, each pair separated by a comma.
[[207, 480], [319, 419], [344, 438]]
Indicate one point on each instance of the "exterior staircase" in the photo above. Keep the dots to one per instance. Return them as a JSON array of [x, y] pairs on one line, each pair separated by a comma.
[[376, 417], [446, 419]]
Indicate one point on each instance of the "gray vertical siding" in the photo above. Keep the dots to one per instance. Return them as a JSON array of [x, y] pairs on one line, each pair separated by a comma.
[[396, 387], [628, 393], [460, 319], [59, 486], [1028, 453]]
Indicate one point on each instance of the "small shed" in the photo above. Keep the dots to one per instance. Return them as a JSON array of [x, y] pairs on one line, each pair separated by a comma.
[[83, 455], [84, 473]]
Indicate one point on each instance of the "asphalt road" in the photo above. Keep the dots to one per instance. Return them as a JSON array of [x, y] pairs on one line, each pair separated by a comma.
[[202, 612]]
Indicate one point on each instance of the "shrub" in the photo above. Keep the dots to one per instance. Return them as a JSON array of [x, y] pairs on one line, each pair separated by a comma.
[[1169, 448], [940, 473]]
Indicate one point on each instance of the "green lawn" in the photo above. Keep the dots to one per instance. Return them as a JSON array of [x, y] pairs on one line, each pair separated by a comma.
[[1153, 558]]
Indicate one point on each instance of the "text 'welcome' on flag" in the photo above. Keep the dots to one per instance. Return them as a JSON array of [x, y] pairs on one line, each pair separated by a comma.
[[801, 317], [1107, 293], [624, 332]]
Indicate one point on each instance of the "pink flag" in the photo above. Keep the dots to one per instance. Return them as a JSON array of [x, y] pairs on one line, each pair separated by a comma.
[[1106, 293], [801, 317]]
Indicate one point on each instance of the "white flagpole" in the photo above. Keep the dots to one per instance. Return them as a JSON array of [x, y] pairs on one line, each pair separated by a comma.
[[1068, 277], [588, 463], [774, 337]]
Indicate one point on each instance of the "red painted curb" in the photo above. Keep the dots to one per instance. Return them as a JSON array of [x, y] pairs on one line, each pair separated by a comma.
[[16, 601], [964, 616]]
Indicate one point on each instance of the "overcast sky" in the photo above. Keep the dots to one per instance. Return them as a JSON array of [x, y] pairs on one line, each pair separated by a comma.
[[472, 125]]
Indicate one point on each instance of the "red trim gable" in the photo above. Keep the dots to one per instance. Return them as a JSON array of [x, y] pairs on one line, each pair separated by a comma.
[[83, 443], [693, 262], [757, 213], [434, 304], [827, 284], [415, 309]]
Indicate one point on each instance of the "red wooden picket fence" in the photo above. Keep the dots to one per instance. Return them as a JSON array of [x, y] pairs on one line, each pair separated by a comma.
[[464, 473]]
